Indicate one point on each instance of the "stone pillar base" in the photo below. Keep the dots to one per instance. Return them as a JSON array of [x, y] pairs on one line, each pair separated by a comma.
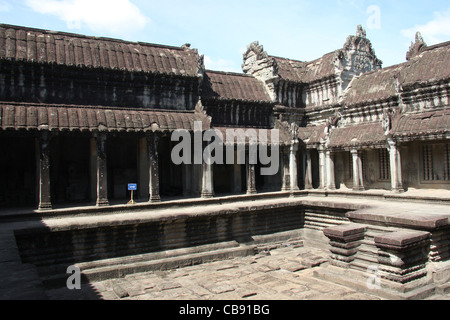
[[154, 199], [45, 206], [207, 195], [102, 203]]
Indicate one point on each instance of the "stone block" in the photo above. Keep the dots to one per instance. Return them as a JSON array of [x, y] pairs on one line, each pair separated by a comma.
[[403, 255], [345, 232], [401, 239], [344, 241]]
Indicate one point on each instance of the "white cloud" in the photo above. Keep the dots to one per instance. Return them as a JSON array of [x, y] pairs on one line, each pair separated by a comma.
[[435, 31], [221, 65], [119, 17]]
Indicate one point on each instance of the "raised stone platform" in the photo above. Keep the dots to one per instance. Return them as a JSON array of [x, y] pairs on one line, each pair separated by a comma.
[[401, 247], [129, 239]]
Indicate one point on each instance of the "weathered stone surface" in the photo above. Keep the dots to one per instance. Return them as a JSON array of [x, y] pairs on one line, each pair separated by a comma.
[[94, 119], [120, 291], [344, 230], [401, 238], [414, 221]]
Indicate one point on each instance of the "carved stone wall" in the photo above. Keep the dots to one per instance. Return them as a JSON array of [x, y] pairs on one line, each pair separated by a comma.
[[425, 97], [289, 94], [23, 82], [239, 114], [325, 92]]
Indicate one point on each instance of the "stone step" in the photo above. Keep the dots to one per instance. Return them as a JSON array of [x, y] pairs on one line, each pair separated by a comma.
[[99, 270], [80, 243], [120, 267]]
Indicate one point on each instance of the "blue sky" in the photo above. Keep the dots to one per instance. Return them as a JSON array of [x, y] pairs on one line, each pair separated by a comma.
[[221, 30]]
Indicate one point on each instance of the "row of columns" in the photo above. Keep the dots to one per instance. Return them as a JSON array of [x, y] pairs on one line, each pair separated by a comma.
[[99, 157], [288, 159], [99, 168], [326, 168], [289, 174]]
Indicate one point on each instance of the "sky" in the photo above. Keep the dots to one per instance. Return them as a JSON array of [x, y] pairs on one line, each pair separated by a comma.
[[221, 30]]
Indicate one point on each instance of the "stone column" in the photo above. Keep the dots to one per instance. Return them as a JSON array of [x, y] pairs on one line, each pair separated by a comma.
[[308, 169], [102, 179], [237, 181], [207, 180], [396, 167], [93, 168], [45, 202], [358, 184], [285, 179], [322, 168], [293, 166], [153, 162], [251, 176], [331, 182], [143, 172]]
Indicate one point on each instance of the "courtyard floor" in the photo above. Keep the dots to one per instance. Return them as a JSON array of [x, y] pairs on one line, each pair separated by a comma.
[[283, 273], [280, 274]]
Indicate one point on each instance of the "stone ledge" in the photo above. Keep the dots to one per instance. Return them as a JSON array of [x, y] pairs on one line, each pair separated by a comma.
[[119, 267], [362, 281], [411, 221], [344, 230], [400, 239]]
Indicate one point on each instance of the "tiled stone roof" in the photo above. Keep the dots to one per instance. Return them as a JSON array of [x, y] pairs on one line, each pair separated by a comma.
[[360, 135], [311, 135], [72, 118], [430, 66], [305, 72], [289, 69], [41, 46], [433, 64], [373, 86], [233, 86], [422, 124]]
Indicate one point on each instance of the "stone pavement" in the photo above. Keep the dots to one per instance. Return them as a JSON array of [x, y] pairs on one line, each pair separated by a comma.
[[285, 273]]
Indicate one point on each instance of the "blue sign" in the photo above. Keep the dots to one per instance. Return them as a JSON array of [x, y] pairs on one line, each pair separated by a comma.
[[132, 186]]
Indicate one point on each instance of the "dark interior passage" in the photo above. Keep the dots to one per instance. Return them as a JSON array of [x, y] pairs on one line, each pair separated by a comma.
[[122, 163], [69, 161], [18, 185]]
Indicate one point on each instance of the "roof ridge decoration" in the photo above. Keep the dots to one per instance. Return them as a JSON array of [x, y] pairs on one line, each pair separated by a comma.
[[261, 66], [266, 66], [417, 47], [356, 57]]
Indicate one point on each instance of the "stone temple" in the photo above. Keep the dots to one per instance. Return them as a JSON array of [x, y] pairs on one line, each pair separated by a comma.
[[364, 155]]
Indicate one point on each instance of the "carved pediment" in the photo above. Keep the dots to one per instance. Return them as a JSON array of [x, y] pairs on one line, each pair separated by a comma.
[[357, 55], [417, 47], [258, 63]]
